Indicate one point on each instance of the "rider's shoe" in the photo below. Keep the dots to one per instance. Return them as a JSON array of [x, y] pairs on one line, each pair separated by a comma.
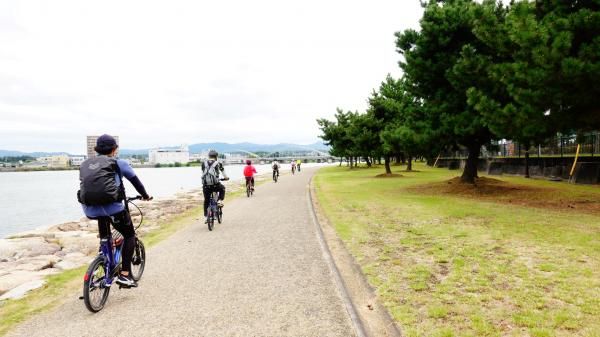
[[126, 281], [220, 203]]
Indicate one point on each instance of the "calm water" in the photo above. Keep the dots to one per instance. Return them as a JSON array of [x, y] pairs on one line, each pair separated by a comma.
[[30, 200]]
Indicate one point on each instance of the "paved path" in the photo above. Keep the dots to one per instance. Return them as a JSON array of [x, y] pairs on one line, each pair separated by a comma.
[[260, 273]]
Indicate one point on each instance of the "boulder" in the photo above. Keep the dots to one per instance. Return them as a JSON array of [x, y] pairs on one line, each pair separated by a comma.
[[15, 278], [22, 289]]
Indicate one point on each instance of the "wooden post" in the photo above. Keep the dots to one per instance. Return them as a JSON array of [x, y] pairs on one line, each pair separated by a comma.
[[436, 161], [574, 162]]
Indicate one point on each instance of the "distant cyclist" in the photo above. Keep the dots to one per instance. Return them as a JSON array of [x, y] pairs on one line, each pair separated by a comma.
[[275, 167], [293, 166], [101, 196], [298, 163], [211, 170], [249, 172]]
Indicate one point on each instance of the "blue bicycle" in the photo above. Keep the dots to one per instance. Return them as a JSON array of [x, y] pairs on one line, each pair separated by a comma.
[[107, 265]]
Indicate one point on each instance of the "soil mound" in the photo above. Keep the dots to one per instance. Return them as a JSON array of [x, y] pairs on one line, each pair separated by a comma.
[[495, 190]]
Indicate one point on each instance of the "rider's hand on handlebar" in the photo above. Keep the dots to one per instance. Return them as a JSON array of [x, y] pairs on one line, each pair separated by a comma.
[[148, 199]]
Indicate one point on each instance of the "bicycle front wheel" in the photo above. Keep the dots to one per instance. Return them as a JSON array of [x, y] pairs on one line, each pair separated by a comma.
[[138, 261], [220, 214], [95, 291]]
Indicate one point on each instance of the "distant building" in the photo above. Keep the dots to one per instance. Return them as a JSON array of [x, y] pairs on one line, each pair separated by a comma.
[[91, 144], [59, 161], [198, 156], [169, 156], [77, 160]]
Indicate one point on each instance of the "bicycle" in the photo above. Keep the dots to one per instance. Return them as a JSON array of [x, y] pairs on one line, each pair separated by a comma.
[[249, 187], [275, 175], [214, 211], [107, 265], [293, 169]]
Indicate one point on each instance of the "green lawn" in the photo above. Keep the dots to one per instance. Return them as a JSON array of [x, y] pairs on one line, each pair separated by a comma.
[[447, 265]]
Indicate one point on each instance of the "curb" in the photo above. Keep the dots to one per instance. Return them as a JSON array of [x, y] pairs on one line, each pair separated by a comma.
[[339, 282]]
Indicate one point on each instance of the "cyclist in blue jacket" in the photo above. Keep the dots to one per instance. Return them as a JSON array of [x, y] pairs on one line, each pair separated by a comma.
[[106, 145]]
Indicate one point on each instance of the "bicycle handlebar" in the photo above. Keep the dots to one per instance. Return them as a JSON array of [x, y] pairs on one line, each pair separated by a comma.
[[138, 197]]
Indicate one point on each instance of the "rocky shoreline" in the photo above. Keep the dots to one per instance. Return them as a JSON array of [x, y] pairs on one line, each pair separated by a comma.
[[28, 257]]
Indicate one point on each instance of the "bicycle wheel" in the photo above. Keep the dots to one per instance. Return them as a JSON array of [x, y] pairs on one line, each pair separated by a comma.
[[211, 219], [248, 190], [220, 214], [275, 177], [138, 262], [95, 292]]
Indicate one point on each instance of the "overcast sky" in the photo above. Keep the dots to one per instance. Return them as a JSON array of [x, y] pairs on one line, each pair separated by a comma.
[[172, 72]]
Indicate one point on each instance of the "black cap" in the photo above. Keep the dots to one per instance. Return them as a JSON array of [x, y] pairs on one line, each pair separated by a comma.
[[105, 144]]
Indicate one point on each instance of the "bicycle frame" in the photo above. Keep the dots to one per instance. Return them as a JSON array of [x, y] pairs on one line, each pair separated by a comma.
[[213, 203]]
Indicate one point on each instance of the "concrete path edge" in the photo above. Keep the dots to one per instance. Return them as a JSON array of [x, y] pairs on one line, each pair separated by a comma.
[[392, 328], [339, 281]]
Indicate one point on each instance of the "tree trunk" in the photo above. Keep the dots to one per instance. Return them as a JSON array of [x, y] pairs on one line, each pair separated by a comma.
[[341, 160], [409, 167], [398, 159], [379, 160], [402, 158], [388, 169], [470, 172], [527, 162]]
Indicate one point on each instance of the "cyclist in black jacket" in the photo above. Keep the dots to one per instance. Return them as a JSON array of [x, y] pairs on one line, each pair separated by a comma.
[[213, 166]]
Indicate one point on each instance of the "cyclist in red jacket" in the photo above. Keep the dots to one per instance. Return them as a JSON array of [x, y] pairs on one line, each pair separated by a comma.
[[249, 171]]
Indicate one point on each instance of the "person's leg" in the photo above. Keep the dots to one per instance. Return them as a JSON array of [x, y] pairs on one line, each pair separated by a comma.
[[124, 225], [221, 190], [103, 227], [252, 182], [206, 191]]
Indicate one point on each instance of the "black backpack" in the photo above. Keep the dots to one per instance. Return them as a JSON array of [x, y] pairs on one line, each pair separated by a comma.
[[98, 183]]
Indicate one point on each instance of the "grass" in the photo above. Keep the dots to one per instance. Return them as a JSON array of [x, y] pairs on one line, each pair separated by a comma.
[[472, 264]]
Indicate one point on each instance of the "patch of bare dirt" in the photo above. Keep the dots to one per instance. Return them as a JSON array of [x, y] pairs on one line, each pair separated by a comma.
[[388, 175], [489, 189]]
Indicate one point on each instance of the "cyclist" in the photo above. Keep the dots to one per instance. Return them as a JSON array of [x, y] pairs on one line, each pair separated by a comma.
[[211, 170], [293, 166], [275, 167], [298, 163], [249, 171], [100, 168]]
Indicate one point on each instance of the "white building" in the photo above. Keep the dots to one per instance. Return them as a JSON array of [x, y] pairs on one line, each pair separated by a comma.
[[169, 156], [77, 160]]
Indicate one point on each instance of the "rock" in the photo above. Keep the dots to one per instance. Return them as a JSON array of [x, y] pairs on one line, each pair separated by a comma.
[[69, 226], [37, 263], [86, 243], [22, 289], [26, 247], [16, 278]]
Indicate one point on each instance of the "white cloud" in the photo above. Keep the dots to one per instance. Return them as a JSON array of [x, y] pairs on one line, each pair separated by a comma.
[[169, 72]]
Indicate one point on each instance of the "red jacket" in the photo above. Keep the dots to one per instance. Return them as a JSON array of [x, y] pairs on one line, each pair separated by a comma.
[[249, 171]]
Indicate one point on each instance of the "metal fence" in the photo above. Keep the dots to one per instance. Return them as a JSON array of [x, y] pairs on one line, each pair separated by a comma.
[[559, 146]]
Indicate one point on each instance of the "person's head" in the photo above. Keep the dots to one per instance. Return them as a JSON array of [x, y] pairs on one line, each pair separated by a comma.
[[212, 154], [248, 162], [106, 145]]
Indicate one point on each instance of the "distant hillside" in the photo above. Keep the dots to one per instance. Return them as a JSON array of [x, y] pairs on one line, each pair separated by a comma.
[[250, 147], [197, 148], [9, 153]]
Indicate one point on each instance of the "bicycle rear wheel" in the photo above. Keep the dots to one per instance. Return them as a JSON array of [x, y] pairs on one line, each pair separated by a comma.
[[248, 190], [95, 291], [211, 219], [138, 262]]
